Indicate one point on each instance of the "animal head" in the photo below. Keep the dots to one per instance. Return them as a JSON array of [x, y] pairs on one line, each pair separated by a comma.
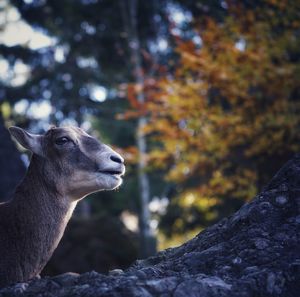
[[78, 162]]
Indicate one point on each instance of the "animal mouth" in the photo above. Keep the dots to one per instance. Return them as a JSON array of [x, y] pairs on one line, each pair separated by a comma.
[[112, 172]]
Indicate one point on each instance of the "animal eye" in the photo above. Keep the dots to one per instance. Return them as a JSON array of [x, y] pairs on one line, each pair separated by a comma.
[[62, 140]]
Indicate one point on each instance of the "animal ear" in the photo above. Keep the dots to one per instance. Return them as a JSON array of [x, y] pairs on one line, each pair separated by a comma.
[[29, 141]]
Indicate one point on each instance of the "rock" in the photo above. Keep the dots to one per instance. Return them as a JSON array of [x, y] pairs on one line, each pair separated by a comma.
[[116, 272], [253, 253], [281, 200], [66, 279]]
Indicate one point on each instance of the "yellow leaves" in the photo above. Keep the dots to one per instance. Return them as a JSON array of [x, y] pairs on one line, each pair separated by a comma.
[[223, 100], [220, 184], [165, 242], [241, 184], [159, 159], [5, 109], [193, 59], [245, 184], [179, 172], [203, 203], [230, 108]]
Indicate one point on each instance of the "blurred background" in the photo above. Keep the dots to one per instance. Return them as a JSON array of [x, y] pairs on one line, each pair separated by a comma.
[[201, 97]]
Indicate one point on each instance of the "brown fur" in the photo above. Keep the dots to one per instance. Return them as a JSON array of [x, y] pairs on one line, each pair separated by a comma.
[[33, 222]]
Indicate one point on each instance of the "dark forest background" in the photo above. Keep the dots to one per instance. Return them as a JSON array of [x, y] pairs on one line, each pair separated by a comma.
[[200, 97]]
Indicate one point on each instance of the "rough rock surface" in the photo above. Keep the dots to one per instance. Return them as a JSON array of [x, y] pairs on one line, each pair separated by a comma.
[[255, 252]]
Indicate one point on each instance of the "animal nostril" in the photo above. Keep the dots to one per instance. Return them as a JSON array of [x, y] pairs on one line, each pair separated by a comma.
[[116, 159]]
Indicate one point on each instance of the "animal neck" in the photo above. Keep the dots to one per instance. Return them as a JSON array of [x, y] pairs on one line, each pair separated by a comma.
[[41, 214]]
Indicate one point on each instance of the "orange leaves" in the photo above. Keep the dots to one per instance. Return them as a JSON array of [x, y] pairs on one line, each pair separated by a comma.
[[218, 123], [132, 90], [228, 101]]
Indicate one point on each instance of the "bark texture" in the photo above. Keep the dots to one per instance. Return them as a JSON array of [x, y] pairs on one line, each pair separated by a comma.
[[253, 253]]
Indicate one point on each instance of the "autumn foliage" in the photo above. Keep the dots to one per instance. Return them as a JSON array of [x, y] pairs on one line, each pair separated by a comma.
[[228, 117]]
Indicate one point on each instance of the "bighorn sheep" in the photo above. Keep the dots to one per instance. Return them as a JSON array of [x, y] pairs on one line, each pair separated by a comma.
[[66, 165]]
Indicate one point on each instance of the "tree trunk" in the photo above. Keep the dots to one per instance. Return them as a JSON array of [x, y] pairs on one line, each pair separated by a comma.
[[147, 240]]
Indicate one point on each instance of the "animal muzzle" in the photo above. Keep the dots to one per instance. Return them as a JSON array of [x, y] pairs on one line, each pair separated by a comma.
[[111, 163]]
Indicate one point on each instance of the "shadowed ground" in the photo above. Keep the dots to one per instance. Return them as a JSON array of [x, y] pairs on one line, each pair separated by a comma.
[[255, 252]]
